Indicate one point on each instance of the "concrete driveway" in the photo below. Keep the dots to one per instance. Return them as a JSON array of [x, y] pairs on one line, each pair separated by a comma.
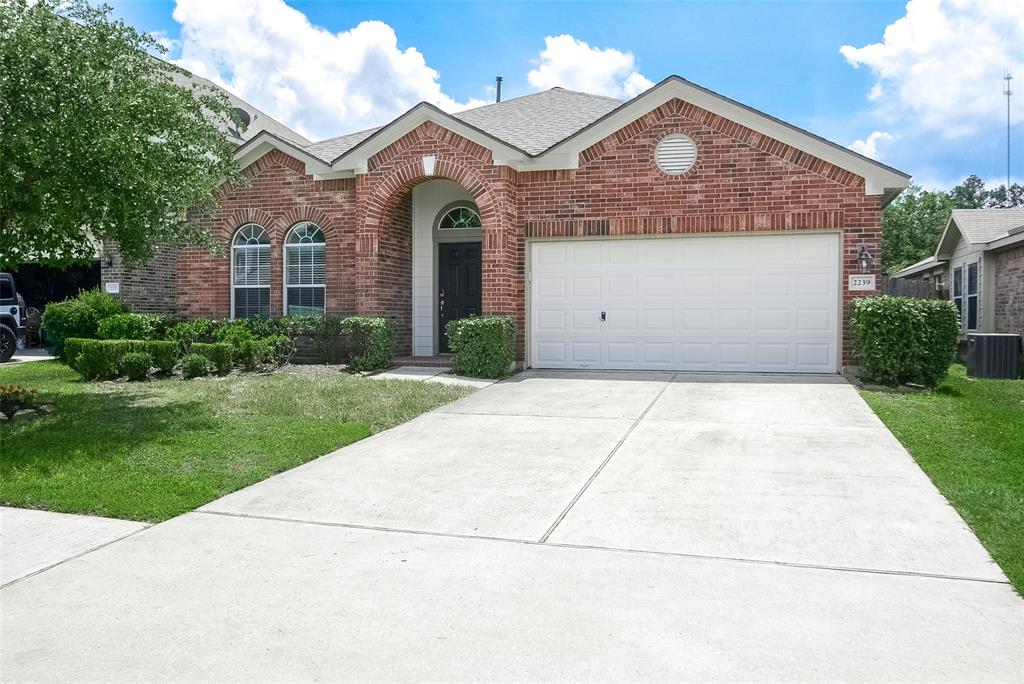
[[555, 526]]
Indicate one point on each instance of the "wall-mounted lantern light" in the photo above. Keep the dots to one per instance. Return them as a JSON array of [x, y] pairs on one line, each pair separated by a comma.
[[864, 259], [428, 165]]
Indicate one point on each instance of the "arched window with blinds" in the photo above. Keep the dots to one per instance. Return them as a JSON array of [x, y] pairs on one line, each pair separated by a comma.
[[305, 290], [250, 272]]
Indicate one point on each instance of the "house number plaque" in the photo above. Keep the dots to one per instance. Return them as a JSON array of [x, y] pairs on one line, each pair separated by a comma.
[[861, 282]]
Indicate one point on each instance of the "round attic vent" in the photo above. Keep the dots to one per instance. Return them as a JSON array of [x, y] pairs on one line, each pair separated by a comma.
[[675, 154]]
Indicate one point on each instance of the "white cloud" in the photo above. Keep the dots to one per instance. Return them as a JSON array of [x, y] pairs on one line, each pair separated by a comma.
[[319, 82], [166, 42], [573, 64], [940, 66], [869, 146]]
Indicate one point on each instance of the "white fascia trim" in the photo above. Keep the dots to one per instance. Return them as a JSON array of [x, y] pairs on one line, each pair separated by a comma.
[[877, 179], [1006, 241], [943, 251], [264, 142], [930, 264], [356, 160]]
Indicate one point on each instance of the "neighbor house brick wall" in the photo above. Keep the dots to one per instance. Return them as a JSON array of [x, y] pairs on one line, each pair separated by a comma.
[[148, 288], [1008, 307], [278, 195]]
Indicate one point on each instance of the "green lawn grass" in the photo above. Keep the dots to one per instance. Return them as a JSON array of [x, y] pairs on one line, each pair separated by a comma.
[[150, 451], [968, 436]]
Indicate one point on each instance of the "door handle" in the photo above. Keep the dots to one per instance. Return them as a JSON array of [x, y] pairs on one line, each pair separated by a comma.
[[604, 315]]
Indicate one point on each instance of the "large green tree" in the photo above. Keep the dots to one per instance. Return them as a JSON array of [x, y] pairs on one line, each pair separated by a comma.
[[97, 141], [913, 223], [911, 226]]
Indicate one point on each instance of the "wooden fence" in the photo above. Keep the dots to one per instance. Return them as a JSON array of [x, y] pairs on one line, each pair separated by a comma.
[[921, 289]]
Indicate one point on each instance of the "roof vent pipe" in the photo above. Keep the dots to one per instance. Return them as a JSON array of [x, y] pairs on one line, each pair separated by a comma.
[[497, 80]]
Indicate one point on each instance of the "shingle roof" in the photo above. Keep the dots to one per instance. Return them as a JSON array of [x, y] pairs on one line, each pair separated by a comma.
[[259, 120], [533, 123], [332, 148], [986, 225]]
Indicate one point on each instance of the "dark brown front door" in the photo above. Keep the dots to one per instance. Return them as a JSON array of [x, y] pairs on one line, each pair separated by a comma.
[[458, 267]]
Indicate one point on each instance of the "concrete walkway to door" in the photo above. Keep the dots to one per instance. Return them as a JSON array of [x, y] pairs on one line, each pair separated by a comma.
[[585, 526]]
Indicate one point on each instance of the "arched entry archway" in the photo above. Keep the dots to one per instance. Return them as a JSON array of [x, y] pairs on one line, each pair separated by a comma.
[[402, 247]]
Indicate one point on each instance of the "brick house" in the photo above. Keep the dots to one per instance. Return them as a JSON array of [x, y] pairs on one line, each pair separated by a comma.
[[980, 261], [676, 230]]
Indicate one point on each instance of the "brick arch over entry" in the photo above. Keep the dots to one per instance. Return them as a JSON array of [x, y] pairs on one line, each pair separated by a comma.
[[384, 238]]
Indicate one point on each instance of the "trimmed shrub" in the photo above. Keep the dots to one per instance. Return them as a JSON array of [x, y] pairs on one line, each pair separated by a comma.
[[901, 339], [102, 304], [187, 332], [72, 350], [164, 353], [234, 333], [483, 346], [65, 320], [219, 354], [135, 365], [372, 339], [938, 339], [253, 354], [194, 366], [101, 359], [78, 317], [126, 326]]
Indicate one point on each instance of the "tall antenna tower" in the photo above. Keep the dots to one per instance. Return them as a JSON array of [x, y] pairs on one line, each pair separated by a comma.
[[1008, 91]]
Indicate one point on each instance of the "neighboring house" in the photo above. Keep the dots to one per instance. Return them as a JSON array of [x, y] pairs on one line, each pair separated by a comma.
[[980, 259], [677, 230]]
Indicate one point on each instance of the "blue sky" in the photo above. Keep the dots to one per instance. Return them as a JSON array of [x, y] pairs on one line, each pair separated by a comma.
[[919, 85]]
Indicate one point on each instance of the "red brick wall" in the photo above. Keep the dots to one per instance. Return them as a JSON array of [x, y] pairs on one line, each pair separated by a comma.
[[742, 181], [1008, 313], [278, 196]]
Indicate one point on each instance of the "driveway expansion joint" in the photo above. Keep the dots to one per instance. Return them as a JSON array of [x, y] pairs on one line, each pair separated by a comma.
[[607, 458], [609, 549]]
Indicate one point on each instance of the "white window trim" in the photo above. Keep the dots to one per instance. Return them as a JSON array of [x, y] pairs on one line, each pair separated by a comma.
[[235, 247], [975, 296], [284, 265]]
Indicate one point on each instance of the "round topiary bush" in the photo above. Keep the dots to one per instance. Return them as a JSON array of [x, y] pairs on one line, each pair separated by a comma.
[[136, 365], [194, 366]]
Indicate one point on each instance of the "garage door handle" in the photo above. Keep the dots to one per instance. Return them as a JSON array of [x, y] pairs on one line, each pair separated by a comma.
[[604, 316]]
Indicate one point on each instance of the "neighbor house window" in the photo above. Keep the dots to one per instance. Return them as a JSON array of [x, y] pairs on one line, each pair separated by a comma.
[[972, 296], [304, 270], [958, 291], [459, 218], [250, 272]]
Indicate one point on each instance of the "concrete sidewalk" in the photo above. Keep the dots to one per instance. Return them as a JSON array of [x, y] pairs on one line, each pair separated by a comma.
[[586, 526], [31, 540]]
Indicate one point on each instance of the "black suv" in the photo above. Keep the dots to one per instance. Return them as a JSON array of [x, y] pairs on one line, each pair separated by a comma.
[[12, 317]]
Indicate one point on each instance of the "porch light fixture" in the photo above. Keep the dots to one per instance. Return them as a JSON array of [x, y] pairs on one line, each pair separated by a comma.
[[428, 165], [864, 259]]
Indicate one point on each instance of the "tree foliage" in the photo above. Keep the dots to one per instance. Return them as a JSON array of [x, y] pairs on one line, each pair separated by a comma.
[[97, 141], [913, 223]]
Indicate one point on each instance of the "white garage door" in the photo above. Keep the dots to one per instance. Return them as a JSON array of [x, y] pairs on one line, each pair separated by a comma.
[[764, 303]]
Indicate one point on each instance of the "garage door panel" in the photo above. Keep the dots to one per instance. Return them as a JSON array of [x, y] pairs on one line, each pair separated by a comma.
[[731, 303], [734, 285]]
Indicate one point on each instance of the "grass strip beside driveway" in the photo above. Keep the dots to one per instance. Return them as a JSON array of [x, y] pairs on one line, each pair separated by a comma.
[[968, 436], [151, 451]]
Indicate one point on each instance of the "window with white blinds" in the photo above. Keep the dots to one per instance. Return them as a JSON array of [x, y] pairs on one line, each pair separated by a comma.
[[250, 272], [305, 270]]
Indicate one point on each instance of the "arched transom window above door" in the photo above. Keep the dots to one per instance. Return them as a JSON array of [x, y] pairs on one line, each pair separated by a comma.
[[461, 216], [305, 266]]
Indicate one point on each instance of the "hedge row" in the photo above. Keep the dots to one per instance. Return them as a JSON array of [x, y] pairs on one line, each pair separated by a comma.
[[900, 339]]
